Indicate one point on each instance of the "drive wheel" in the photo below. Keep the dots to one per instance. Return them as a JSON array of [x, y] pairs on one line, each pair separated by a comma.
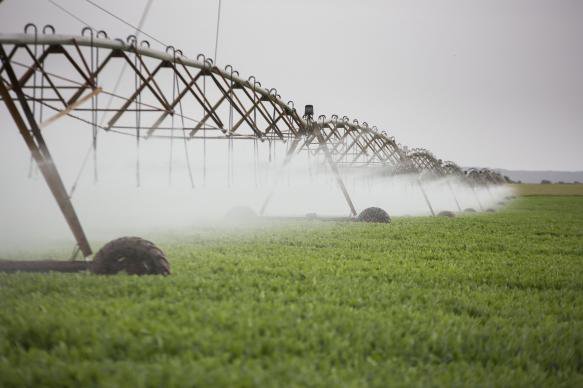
[[132, 255], [374, 214]]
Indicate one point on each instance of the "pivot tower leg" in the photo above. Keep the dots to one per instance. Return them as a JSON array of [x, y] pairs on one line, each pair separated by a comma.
[[459, 208], [40, 153], [288, 157], [334, 168], [426, 197]]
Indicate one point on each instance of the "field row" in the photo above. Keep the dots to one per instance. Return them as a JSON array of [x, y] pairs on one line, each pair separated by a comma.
[[492, 299]]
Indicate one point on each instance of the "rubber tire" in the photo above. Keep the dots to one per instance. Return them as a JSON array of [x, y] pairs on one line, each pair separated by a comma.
[[132, 255], [374, 215]]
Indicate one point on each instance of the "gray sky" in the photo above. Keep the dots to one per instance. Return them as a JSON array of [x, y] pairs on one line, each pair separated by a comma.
[[495, 83]]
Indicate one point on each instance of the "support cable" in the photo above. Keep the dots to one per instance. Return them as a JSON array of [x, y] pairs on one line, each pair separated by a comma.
[[217, 34], [137, 29], [71, 14]]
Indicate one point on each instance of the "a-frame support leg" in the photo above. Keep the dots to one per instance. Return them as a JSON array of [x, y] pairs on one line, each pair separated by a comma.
[[426, 197], [334, 168], [331, 162], [288, 157], [459, 208], [40, 153]]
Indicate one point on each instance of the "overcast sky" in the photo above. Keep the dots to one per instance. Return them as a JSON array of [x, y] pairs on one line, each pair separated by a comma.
[[495, 83]]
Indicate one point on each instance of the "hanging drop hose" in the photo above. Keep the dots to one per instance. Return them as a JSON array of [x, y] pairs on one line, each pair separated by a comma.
[[255, 145], [255, 150], [94, 62], [230, 145], [273, 121], [31, 161], [204, 110], [172, 120], [137, 84], [95, 128], [94, 105], [309, 161], [204, 135], [184, 136], [273, 144], [230, 161]]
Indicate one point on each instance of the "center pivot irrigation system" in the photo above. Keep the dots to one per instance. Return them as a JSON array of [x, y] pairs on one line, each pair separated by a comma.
[[45, 77]]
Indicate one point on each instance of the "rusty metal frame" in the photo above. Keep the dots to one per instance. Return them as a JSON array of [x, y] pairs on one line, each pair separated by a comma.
[[342, 143]]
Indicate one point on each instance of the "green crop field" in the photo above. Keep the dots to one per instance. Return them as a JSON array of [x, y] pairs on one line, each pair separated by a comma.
[[491, 299], [527, 189]]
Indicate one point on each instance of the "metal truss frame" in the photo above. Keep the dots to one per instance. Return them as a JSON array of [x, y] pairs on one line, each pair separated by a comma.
[[236, 108]]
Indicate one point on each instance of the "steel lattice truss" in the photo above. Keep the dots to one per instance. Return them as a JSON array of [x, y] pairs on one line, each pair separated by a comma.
[[170, 91], [163, 93]]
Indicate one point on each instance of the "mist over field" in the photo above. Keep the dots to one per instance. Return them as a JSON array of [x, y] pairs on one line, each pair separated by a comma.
[[116, 206]]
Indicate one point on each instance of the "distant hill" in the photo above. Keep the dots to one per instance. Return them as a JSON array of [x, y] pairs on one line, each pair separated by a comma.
[[537, 176]]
